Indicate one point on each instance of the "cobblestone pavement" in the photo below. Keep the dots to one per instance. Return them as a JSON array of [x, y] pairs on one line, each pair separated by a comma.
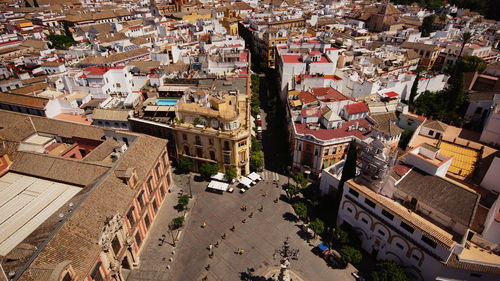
[[259, 236]]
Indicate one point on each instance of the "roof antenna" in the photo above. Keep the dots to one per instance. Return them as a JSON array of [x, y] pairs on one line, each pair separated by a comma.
[[31, 121]]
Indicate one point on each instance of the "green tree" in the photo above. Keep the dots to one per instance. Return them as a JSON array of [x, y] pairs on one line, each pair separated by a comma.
[[300, 179], [351, 255], [61, 42], [341, 235], [27, 4], [300, 210], [177, 222], [465, 38], [413, 92], [255, 161], [208, 169], [317, 226], [388, 270], [405, 139], [185, 164], [292, 190], [256, 146], [348, 172], [426, 27], [473, 64], [183, 201], [231, 173]]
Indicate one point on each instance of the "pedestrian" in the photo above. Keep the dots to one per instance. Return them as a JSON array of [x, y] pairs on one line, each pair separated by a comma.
[[207, 267], [216, 244], [238, 250], [223, 236], [250, 215], [276, 200], [241, 251], [244, 221], [233, 228], [203, 225], [209, 247]]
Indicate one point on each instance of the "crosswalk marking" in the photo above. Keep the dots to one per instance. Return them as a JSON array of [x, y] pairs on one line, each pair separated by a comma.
[[270, 176]]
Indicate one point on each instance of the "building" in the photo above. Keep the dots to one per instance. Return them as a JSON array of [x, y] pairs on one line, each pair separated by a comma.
[[206, 120], [428, 53], [491, 131], [73, 230], [436, 228]]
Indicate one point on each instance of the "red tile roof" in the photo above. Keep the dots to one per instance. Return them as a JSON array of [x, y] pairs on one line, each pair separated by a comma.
[[99, 70], [329, 94], [306, 97], [291, 58], [356, 108], [328, 134]]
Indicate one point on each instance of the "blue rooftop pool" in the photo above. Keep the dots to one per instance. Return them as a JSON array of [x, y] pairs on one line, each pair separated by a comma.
[[166, 102]]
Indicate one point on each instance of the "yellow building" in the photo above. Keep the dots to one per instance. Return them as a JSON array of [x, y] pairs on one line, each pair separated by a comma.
[[231, 24], [272, 37]]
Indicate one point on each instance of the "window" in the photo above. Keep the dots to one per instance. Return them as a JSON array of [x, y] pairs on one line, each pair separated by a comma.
[[157, 170], [164, 160], [199, 152], [212, 154], [138, 239], [96, 273], [326, 151], [115, 244], [370, 203], [349, 210], [150, 185], [415, 257], [407, 227], [353, 192], [227, 158], [210, 141], [381, 232], [399, 246], [186, 150], [130, 215], [365, 221], [300, 147], [184, 137], [147, 221], [429, 242], [476, 275], [478, 110], [198, 140], [118, 85], [67, 277], [226, 145], [243, 143], [387, 215], [155, 206], [431, 132], [316, 152], [140, 198]]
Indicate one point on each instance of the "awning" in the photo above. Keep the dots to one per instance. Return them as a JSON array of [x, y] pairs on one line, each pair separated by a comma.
[[159, 108], [254, 176], [217, 185], [322, 247], [219, 177], [245, 181]]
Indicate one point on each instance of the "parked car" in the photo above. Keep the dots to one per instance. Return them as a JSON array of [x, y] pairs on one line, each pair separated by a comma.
[[230, 190], [357, 276]]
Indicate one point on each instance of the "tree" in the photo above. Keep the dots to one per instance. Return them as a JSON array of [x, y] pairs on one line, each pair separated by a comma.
[[61, 42], [473, 64], [177, 222], [388, 270], [208, 169], [27, 4], [300, 179], [426, 28], [230, 173], [465, 38], [183, 201], [348, 172], [292, 190], [185, 164], [300, 210], [255, 160], [317, 226], [413, 92], [350, 254], [256, 146], [341, 235]]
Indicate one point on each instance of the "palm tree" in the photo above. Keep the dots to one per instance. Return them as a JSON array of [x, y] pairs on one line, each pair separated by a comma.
[[465, 38]]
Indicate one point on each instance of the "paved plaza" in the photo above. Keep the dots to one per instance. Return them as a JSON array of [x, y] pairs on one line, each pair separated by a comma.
[[259, 236]]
